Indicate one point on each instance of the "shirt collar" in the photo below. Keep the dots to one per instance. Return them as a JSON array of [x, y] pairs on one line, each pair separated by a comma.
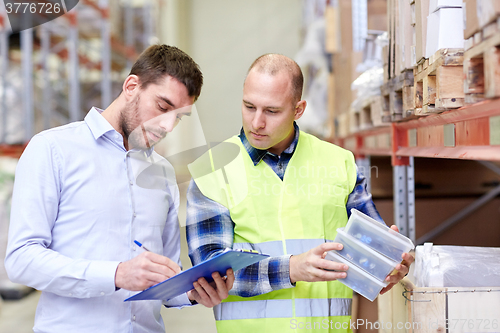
[[98, 124], [99, 127], [258, 154]]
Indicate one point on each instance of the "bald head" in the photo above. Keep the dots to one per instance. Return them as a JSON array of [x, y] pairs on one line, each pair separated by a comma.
[[272, 64]]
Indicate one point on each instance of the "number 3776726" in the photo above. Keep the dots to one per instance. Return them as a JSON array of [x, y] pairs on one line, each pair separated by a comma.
[[33, 8]]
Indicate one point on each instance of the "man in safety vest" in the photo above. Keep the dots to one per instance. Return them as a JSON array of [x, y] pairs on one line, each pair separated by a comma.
[[282, 192]]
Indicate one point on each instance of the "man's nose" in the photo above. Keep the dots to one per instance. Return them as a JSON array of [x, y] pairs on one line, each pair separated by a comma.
[[259, 120], [168, 122]]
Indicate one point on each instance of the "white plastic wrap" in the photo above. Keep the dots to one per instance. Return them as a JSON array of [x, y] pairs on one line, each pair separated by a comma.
[[457, 266], [7, 170], [367, 85], [369, 82], [14, 118]]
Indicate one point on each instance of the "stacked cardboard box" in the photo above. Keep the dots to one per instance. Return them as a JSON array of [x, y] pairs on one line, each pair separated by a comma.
[[421, 13], [406, 31], [444, 26], [397, 90], [482, 56], [339, 43]]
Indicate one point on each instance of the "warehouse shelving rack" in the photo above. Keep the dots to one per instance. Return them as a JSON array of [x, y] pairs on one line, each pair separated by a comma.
[[471, 132], [59, 91], [63, 64]]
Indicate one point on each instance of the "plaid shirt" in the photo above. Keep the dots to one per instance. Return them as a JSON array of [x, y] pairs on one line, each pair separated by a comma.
[[210, 229]]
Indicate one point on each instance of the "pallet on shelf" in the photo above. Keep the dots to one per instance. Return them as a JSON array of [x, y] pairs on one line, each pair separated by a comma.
[[354, 117], [342, 125], [397, 96], [378, 116], [370, 114], [482, 65], [439, 82]]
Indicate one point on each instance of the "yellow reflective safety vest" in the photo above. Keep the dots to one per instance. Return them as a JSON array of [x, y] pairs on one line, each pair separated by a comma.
[[279, 217]]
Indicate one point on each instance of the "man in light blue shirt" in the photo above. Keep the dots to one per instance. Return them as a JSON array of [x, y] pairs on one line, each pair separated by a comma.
[[77, 208]]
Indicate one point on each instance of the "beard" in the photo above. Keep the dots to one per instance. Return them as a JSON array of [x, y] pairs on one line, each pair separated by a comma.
[[136, 132], [132, 128], [127, 117]]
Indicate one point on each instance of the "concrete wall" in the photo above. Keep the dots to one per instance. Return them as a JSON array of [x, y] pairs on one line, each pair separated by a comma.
[[224, 37]]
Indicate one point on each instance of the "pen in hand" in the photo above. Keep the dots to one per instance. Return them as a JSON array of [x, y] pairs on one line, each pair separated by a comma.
[[139, 244]]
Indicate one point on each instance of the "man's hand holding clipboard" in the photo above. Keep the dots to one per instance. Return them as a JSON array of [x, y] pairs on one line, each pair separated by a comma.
[[201, 275]]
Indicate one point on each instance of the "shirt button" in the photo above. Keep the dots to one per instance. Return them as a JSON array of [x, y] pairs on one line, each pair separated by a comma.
[[131, 183], [70, 294], [133, 248], [135, 214], [102, 293], [133, 318]]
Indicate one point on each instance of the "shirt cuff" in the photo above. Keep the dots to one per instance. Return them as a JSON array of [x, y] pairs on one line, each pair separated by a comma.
[[178, 302], [279, 276], [102, 279]]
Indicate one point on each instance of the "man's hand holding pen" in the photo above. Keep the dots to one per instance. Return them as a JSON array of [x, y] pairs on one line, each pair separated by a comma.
[[148, 269]]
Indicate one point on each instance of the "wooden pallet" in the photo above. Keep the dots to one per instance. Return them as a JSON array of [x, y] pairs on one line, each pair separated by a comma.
[[397, 96], [482, 65], [439, 82], [368, 114], [342, 126], [379, 118]]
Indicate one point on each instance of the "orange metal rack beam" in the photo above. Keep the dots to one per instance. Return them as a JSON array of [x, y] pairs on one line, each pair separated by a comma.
[[424, 137]]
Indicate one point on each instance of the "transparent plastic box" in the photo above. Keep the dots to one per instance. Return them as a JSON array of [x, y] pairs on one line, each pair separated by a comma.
[[378, 236], [363, 256], [357, 279]]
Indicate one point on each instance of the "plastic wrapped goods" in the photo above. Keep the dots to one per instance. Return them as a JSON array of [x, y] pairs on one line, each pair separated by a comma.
[[456, 266]]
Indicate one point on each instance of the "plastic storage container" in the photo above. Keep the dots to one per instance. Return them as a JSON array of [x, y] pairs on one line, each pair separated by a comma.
[[363, 256], [357, 279], [378, 236]]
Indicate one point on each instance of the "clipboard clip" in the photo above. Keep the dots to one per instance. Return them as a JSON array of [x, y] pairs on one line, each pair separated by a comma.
[[247, 251]]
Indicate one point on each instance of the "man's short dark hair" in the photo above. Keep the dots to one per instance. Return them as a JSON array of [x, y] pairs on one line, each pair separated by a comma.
[[160, 60]]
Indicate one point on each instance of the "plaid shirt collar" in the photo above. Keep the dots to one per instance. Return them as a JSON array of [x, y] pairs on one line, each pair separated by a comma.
[[258, 154]]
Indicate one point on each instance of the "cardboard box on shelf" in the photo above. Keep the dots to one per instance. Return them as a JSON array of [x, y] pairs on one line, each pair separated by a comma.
[[377, 11], [471, 21], [397, 37], [332, 30], [487, 11], [405, 37], [444, 30], [421, 13], [438, 4]]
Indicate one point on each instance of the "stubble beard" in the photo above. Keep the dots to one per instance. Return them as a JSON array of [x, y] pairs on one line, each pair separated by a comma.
[[133, 133]]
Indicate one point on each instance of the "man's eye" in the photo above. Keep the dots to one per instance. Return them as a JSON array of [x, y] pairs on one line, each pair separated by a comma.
[[271, 111], [250, 107], [163, 109]]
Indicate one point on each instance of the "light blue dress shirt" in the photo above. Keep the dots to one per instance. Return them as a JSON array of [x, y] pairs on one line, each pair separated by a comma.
[[76, 210]]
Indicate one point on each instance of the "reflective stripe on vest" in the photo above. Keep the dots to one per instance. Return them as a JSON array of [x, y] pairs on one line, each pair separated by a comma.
[[283, 308]]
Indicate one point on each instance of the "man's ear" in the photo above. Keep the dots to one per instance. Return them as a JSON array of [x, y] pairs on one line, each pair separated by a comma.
[[300, 107], [130, 86]]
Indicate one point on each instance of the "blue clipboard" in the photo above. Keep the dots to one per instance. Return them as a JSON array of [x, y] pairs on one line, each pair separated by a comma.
[[183, 282]]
